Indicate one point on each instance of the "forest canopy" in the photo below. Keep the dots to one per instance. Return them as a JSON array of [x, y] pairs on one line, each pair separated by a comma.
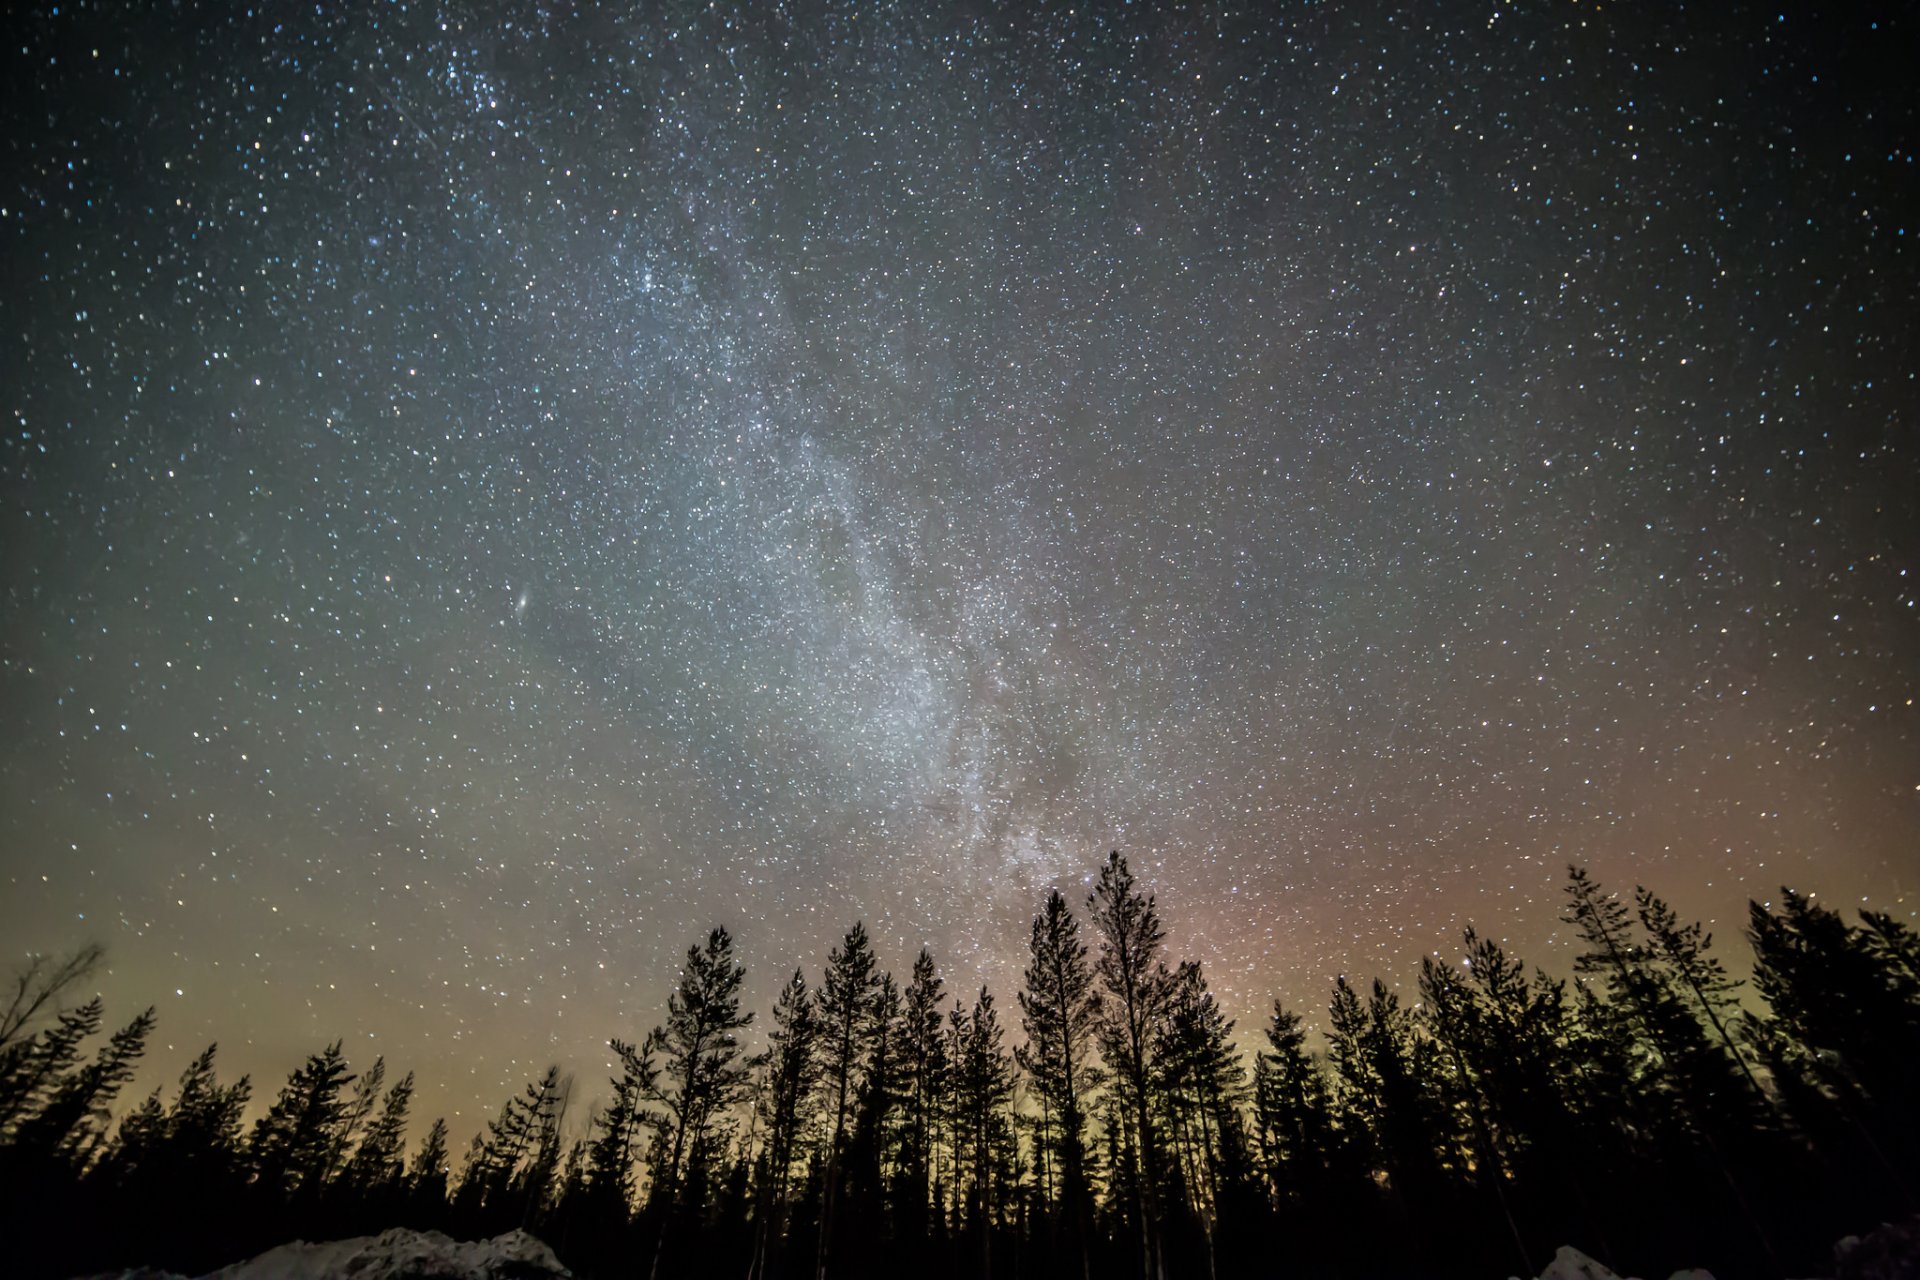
[[1106, 1121]]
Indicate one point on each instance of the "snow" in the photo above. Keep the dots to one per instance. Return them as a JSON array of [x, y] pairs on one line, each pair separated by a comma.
[[398, 1254], [1571, 1264]]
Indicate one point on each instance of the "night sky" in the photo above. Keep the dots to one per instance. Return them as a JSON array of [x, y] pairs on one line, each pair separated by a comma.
[[491, 491]]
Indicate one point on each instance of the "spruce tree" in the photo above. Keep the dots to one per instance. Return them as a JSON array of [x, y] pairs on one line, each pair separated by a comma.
[[378, 1162], [1136, 984], [354, 1116], [925, 1066], [1059, 1012], [847, 1007], [789, 1069], [293, 1142], [74, 1120], [1293, 1111], [700, 1070], [982, 1087], [427, 1175], [34, 1065]]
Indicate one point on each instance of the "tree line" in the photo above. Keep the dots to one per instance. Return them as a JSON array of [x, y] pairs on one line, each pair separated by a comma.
[[1108, 1123]]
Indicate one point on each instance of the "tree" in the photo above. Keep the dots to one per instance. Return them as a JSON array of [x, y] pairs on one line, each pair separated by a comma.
[[1387, 1073], [982, 1087], [616, 1133], [509, 1167], [701, 1072], [1136, 984], [73, 1123], [925, 1063], [1683, 952], [366, 1094], [847, 1003], [34, 1066], [1293, 1111], [789, 1070], [1200, 1083], [35, 991], [1060, 1012], [292, 1144], [378, 1163], [427, 1177]]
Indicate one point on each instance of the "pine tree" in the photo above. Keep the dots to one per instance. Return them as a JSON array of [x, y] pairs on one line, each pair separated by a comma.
[[74, 1120], [1293, 1110], [1387, 1072], [1060, 1012], [790, 1070], [701, 1072], [503, 1169], [427, 1176], [1683, 952], [982, 1088], [34, 1065], [360, 1104], [378, 1163], [612, 1150], [880, 1088], [846, 1013], [925, 1065], [1200, 1083], [1849, 999], [1136, 986], [204, 1125], [193, 1144], [140, 1141], [543, 1167], [292, 1144]]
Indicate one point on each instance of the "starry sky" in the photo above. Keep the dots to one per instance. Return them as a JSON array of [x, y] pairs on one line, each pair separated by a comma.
[[494, 489]]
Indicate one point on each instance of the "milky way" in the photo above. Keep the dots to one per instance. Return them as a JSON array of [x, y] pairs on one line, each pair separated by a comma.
[[492, 491]]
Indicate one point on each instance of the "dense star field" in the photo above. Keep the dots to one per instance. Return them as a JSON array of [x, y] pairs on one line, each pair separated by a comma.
[[492, 491]]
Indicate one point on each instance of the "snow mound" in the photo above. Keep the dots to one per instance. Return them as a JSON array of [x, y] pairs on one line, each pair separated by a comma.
[[398, 1254], [1571, 1264], [1890, 1253]]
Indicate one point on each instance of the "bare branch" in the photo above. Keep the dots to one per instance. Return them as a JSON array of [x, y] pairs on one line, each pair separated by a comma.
[[36, 989]]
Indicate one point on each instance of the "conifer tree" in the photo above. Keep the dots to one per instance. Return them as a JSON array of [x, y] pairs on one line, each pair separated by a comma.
[[1293, 1110], [700, 1069], [543, 1167], [1684, 952], [1200, 1084], [354, 1115], [75, 1118], [789, 1068], [503, 1168], [847, 1007], [982, 1087], [1851, 997], [34, 1065], [203, 1129], [925, 1067], [1135, 984], [613, 1147], [1059, 1012], [292, 1144], [378, 1162], [427, 1176]]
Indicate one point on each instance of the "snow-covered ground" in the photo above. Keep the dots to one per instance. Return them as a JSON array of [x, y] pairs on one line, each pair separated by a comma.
[[392, 1255], [1571, 1264], [1890, 1253]]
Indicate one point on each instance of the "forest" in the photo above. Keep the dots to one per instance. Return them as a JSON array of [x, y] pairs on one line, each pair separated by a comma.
[[1109, 1121]]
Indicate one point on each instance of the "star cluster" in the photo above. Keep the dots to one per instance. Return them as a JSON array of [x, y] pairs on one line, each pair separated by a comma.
[[492, 490]]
